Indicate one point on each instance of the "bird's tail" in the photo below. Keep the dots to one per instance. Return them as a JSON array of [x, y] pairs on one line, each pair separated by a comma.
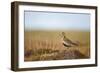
[[79, 43]]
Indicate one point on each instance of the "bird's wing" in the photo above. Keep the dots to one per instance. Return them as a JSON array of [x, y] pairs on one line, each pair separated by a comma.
[[70, 42]]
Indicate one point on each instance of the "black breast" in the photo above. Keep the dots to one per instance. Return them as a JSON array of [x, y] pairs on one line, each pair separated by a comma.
[[66, 45]]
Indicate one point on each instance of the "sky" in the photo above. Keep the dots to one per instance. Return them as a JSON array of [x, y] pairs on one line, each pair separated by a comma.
[[36, 20]]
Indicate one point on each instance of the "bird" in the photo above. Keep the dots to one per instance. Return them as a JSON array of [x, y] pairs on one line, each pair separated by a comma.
[[67, 42]]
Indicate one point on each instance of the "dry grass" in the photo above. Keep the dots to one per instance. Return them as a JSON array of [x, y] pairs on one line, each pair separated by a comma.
[[41, 45]]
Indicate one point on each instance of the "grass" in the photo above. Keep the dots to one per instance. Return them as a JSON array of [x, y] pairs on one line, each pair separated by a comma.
[[47, 45]]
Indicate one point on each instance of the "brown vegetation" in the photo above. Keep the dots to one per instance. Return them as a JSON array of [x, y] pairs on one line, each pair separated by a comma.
[[48, 46]]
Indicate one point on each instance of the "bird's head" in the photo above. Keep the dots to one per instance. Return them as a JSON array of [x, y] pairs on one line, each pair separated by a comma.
[[63, 34]]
